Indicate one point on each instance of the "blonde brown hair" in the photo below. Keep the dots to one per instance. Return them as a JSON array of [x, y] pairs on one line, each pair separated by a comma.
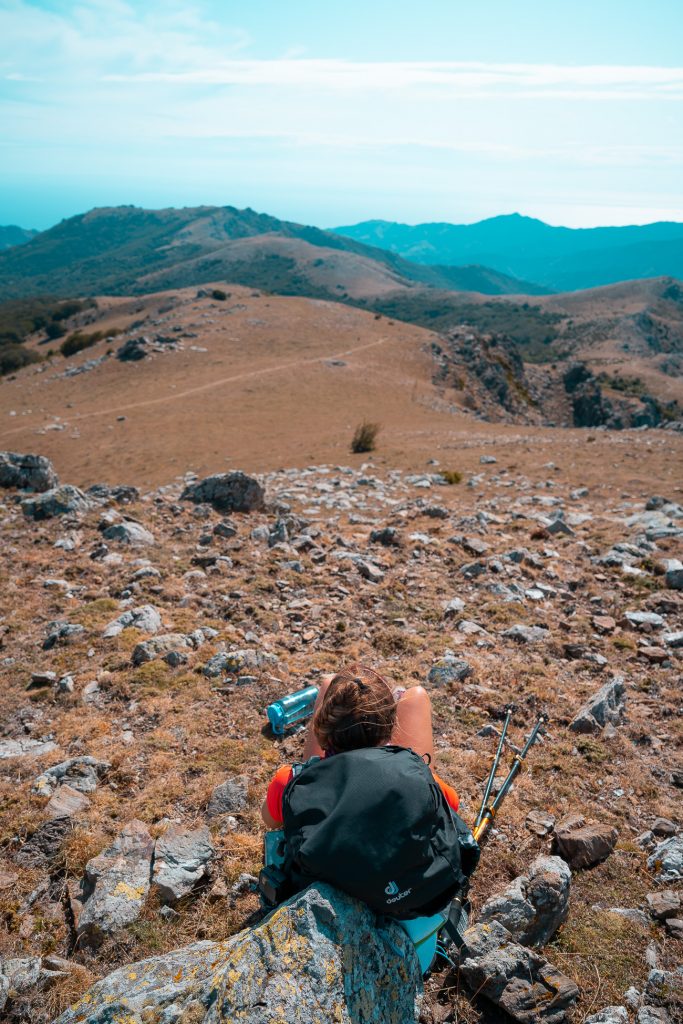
[[357, 711]]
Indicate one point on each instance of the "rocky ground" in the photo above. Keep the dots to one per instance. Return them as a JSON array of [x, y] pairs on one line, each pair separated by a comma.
[[143, 634]]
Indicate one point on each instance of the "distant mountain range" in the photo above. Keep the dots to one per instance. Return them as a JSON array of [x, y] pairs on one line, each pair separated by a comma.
[[560, 259], [12, 235], [124, 250]]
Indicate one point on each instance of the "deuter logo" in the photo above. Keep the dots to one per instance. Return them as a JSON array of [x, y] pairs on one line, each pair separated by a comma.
[[391, 889]]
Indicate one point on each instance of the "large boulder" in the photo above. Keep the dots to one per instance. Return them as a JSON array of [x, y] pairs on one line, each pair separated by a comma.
[[115, 885], [227, 492], [29, 472], [605, 706], [320, 957], [58, 501], [518, 980], [534, 905]]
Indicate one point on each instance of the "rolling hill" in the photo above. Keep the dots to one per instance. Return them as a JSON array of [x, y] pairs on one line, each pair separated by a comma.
[[11, 235], [560, 259], [127, 250]]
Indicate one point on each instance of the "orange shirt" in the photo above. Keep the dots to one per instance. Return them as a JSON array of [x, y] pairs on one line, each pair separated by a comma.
[[282, 776]]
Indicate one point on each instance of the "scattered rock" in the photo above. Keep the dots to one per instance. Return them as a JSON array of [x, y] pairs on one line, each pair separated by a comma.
[[514, 978], [159, 646], [230, 796], [603, 623], [228, 492], [540, 822], [62, 633], [80, 773], [642, 620], [610, 1015], [27, 472], [181, 861], [44, 846], [652, 1015], [453, 607], [236, 662], [663, 827], [664, 904], [319, 957], [667, 860], [449, 669], [129, 532], [526, 634], [606, 706], [58, 501], [369, 571], [66, 803], [534, 905], [146, 618], [115, 885], [584, 844], [25, 747]]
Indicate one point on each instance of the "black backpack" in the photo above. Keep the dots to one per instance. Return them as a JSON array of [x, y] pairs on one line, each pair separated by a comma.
[[374, 823]]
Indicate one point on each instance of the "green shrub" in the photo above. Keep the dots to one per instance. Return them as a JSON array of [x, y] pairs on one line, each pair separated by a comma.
[[451, 476], [365, 437], [55, 330], [13, 357], [219, 294], [77, 342]]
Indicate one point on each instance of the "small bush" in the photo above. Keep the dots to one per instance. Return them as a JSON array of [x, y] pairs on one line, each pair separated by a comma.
[[365, 437], [451, 476], [78, 341], [219, 294], [55, 330], [13, 357]]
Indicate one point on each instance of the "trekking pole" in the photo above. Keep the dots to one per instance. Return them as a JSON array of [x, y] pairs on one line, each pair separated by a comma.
[[482, 827], [494, 767]]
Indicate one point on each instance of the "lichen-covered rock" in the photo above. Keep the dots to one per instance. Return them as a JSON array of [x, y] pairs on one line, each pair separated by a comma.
[[25, 747], [449, 669], [181, 861], [606, 706], [249, 659], [56, 502], [227, 492], [318, 958], [115, 885], [81, 773], [610, 1015], [515, 978], [229, 796], [533, 906], [667, 860], [29, 472]]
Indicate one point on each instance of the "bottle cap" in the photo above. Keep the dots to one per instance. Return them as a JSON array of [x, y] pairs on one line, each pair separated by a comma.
[[276, 717]]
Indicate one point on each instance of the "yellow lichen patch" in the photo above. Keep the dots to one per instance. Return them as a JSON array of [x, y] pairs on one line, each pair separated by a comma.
[[131, 892]]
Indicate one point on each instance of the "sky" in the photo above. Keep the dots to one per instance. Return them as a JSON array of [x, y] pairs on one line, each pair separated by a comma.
[[331, 113]]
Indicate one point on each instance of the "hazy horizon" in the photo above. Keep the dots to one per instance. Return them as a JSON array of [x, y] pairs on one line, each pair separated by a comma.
[[341, 114]]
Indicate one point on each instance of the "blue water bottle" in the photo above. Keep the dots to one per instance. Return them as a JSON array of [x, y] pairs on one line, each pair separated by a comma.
[[291, 709]]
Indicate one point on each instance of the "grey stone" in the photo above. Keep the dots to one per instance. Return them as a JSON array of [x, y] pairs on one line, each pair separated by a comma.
[[146, 618], [664, 904], [473, 569], [59, 501], [516, 979], [225, 530], [18, 976], [159, 646], [558, 526], [80, 773], [667, 860], [673, 639], [181, 861], [652, 1015], [526, 634], [132, 350], [605, 706], [25, 747], [639, 619], [541, 823], [449, 669], [610, 1015], [115, 885], [129, 532], [235, 662], [61, 633], [230, 796], [228, 492], [534, 905], [369, 571], [44, 846], [453, 607], [320, 957], [28, 472], [665, 988]]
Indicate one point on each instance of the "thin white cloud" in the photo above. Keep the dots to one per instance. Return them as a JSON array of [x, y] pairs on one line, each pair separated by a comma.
[[461, 78]]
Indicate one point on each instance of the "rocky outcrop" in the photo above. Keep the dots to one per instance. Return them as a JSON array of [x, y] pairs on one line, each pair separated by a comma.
[[146, 618], [27, 472], [181, 861], [129, 532], [606, 706], [534, 905], [58, 501], [318, 958], [227, 492], [518, 980]]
